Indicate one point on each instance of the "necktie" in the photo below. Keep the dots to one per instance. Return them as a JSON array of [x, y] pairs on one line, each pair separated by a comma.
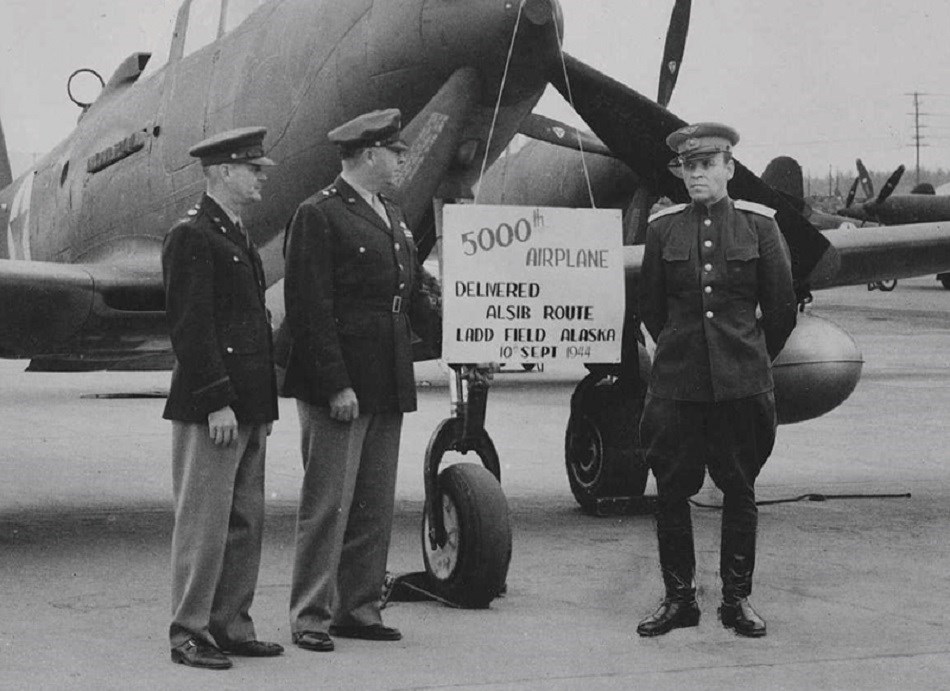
[[380, 208], [240, 229]]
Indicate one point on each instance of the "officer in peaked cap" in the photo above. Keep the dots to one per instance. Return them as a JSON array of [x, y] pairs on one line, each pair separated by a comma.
[[700, 141], [708, 267], [222, 403], [242, 145], [380, 128], [352, 292]]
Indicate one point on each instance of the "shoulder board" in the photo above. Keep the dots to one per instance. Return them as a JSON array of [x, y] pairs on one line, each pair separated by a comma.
[[675, 209], [760, 209]]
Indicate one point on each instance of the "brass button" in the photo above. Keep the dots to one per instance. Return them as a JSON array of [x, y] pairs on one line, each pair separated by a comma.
[[708, 289], [230, 349], [397, 245], [362, 250], [707, 222], [708, 243], [709, 315], [236, 258], [707, 267]]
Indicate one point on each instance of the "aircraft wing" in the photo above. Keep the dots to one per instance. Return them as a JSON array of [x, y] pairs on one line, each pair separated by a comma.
[[865, 255], [97, 313], [887, 252]]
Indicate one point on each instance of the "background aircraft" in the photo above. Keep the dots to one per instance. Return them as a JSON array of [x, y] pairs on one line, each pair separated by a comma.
[[81, 231], [887, 208]]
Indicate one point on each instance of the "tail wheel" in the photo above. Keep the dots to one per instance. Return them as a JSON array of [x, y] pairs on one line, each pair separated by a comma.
[[471, 568], [944, 280]]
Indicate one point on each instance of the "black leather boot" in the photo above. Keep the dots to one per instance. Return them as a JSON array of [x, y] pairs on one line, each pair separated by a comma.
[[678, 563], [736, 565], [742, 618]]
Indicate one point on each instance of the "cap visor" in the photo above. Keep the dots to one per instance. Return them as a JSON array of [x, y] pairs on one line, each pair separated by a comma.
[[398, 145], [261, 161]]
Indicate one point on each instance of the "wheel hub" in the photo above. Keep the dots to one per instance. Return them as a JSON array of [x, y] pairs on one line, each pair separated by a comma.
[[443, 560]]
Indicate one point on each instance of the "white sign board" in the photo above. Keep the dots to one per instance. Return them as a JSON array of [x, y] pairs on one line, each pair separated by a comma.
[[531, 284]]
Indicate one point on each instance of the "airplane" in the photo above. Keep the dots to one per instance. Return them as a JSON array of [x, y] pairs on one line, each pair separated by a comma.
[[887, 208], [81, 230]]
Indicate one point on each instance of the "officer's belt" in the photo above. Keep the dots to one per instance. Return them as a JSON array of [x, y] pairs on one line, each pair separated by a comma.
[[393, 306]]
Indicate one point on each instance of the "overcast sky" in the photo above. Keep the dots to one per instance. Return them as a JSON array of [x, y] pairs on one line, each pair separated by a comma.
[[822, 80]]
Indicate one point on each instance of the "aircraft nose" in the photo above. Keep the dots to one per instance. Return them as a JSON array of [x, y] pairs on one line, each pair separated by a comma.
[[479, 33]]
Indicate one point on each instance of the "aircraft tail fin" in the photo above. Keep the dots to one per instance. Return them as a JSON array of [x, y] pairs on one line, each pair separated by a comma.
[[784, 174], [6, 174]]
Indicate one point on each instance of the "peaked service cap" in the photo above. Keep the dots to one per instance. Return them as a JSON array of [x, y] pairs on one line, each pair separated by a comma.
[[376, 128], [700, 140], [241, 145]]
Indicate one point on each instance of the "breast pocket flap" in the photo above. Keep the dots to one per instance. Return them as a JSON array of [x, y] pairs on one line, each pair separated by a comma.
[[742, 253]]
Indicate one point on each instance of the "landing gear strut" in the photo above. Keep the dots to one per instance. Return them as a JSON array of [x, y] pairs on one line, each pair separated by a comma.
[[466, 534]]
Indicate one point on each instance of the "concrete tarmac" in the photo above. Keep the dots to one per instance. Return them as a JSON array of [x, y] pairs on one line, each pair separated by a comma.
[[856, 591]]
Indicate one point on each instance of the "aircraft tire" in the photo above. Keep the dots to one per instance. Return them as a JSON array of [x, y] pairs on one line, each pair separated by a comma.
[[472, 568], [602, 443]]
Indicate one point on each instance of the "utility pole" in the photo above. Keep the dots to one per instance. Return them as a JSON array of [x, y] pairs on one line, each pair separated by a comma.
[[917, 127]]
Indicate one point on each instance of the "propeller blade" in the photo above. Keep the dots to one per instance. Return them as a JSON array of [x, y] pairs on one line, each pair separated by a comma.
[[635, 129], [865, 178], [851, 192], [637, 215], [890, 185], [673, 50]]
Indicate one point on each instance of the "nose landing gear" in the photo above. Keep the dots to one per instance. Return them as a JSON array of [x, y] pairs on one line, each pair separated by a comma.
[[466, 534]]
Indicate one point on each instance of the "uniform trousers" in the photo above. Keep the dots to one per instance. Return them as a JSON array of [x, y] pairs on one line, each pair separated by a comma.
[[733, 439], [344, 520], [216, 542]]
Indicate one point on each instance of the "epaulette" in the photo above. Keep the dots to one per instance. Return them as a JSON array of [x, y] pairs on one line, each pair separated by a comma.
[[325, 193], [760, 209], [190, 215], [675, 209]]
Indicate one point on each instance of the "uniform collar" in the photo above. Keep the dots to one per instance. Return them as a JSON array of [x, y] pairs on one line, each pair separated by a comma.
[[717, 211], [359, 189], [365, 210], [235, 218]]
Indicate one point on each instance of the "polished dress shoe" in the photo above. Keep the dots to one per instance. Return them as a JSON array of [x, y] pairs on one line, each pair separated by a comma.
[[314, 640], [670, 615], [197, 653], [741, 618], [253, 649], [373, 632]]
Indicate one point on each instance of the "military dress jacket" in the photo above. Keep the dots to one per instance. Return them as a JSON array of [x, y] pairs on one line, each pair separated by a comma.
[[351, 289], [705, 274], [219, 324]]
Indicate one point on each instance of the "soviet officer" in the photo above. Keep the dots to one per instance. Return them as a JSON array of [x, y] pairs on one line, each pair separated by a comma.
[[352, 297], [716, 295], [222, 403]]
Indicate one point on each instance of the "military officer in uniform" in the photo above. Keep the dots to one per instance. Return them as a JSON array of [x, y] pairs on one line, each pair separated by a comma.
[[352, 296], [222, 404], [708, 267]]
